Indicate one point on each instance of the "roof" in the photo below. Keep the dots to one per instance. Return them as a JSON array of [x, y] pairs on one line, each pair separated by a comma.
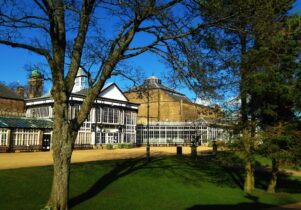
[[8, 93], [81, 73], [84, 92], [155, 83], [36, 73], [22, 122]]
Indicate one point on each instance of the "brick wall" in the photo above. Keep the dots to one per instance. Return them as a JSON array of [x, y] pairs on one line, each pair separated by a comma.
[[164, 108], [10, 107]]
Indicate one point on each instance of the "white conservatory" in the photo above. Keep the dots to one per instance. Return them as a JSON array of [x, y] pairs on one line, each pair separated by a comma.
[[112, 120]]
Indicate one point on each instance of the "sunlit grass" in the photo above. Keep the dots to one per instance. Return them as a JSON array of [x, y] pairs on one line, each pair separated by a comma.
[[163, 183]]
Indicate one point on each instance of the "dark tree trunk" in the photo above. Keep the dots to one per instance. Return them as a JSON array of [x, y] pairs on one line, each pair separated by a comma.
[[249, 177], [247, 140], [62, 146], [273, 180], [249, 167]]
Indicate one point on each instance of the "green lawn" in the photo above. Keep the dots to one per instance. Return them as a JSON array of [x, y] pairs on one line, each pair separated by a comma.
[[163, 183]]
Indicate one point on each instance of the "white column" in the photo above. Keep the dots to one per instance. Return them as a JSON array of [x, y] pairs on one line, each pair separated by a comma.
[[93, 137]]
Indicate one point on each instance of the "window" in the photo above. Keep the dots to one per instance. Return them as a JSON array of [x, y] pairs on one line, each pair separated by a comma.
[[130, 118], [105, 112], [73, 110], [130, 127], [83, 137], [98, 114], [39, 112], [129, 138], [3, 136], [89, 116], [110, 115], [26, 137]]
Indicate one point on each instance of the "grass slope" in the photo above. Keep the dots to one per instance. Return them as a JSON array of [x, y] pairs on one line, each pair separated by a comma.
[[163, 183]]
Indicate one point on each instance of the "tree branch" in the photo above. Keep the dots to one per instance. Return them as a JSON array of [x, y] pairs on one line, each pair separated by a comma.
[[79, 43], [39, 51]]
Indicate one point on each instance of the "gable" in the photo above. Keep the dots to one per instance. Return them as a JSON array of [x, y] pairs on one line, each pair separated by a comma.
[[113, 92]]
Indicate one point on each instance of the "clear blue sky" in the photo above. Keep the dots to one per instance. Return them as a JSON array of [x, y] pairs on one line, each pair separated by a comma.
[[13, 60]]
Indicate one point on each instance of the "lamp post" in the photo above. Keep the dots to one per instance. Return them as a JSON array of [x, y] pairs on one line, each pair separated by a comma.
[[147, 142]]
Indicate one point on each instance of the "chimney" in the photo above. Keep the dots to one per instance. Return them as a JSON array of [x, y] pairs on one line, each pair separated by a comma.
[[20, 91]]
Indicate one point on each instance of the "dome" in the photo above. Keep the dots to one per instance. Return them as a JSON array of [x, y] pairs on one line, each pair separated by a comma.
[[153, 80], [36, 73], [153, 77]]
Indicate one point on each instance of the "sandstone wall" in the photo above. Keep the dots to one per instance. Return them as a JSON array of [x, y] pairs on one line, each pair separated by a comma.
[[166, 108], [10, 107]]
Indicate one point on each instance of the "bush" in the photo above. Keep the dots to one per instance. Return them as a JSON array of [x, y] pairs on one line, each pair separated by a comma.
[[128, 146], [220, 144], [209, 144], [120, 146], [109, 146]]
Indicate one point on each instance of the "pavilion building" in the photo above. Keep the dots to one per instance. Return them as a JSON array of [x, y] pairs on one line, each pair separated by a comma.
[[112, 119], [168, 117]]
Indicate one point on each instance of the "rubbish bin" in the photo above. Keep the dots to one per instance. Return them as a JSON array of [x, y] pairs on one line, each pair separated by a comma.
[[214, 147], [194, 153], [179, 150]]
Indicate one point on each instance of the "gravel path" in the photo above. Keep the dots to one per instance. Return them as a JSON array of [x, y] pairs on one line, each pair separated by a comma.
[[293, 206], [30, 159]]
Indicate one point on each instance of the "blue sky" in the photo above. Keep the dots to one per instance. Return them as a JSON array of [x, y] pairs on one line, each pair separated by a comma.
[[13, 61]]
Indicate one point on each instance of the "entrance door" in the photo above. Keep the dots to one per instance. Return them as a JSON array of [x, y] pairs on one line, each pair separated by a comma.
[[112, 138], [98, 138], [46, 142]]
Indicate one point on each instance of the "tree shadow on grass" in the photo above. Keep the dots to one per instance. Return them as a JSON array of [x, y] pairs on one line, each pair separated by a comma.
[[285, 182], [121, 169], [216, 172], [233, 169], [170, 166], [240, 206], [252, 205], [191, 172]]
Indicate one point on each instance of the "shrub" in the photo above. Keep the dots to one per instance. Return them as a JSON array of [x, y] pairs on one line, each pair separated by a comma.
[[109, 146], [128, 146]]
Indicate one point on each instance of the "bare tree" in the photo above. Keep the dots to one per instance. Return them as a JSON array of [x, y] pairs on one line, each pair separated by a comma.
[[73, 33]]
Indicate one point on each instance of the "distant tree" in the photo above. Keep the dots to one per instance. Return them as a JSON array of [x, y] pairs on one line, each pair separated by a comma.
[[219, 58], [273, 87]]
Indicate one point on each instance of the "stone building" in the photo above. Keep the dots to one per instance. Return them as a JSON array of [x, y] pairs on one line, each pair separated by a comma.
[[11, 103], [166, 104], [172, 117]]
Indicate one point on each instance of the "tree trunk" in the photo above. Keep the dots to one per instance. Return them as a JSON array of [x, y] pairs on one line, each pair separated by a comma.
[[249, 177], [249, 167], [273, 180], [194, 153], [62, 146], [244, 109]]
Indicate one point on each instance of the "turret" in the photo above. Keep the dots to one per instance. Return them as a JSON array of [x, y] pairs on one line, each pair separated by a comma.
[[80, 81], [35, 84]]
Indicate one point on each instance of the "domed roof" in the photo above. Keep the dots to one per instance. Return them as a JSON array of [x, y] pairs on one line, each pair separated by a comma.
[[152, 80], [152, 77], [36, 73]]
